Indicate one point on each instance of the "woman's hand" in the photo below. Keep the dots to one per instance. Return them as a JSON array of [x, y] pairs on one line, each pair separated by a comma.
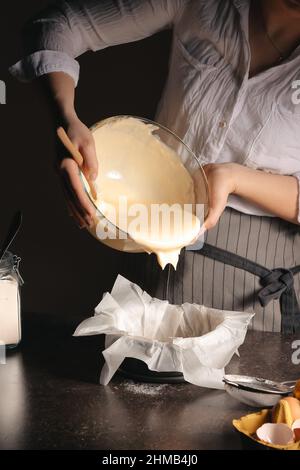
[[221, 179], [77, 200], [60, 88], [275, 194]]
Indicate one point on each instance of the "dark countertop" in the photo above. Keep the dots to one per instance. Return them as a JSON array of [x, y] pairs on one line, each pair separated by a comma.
[[50, 397]]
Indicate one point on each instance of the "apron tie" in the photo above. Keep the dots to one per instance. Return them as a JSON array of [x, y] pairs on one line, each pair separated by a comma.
[[277, 283]]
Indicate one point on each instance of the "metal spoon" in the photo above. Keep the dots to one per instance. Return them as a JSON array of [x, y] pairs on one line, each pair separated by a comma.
[[13, 229], [255, 391]]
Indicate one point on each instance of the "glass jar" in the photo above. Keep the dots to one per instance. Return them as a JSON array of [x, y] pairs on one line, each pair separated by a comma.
[[10, 305]]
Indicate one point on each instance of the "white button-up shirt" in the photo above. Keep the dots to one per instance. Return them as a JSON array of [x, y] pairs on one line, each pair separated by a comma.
[[209, 99]]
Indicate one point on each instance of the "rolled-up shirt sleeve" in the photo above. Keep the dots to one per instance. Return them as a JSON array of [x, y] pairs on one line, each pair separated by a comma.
[[63, 32]]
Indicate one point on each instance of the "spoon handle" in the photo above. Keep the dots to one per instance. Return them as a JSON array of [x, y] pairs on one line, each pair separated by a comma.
[[290, 383], [65, 140]]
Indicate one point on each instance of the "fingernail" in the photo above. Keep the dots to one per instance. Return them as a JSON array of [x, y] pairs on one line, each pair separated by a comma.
[[93, 175]]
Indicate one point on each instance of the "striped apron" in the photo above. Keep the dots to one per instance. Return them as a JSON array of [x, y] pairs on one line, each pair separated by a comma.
[[248, 263]]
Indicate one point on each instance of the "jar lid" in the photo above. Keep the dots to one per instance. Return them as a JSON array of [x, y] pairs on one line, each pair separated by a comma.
[[7, 261], [9, 266]]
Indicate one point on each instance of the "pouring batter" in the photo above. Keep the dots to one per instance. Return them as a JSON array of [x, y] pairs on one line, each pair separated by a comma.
[[142, 202], [231, 95]]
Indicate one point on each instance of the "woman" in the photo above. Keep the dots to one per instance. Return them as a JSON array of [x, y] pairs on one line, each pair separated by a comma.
[[230, 95]]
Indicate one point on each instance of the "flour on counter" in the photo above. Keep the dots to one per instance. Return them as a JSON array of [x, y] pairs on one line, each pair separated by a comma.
[[143, 388]]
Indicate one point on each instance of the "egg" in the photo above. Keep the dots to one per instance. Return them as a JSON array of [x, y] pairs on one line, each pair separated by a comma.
[[286, 411], [296, 429], [278, 434], [297, 390], [294, 405]]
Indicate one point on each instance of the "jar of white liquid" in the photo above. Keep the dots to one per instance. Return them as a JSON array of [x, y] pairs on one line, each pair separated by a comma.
[[10, 306]]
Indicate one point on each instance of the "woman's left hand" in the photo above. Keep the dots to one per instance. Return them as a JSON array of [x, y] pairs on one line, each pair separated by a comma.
[[221, 179], [273, 193]]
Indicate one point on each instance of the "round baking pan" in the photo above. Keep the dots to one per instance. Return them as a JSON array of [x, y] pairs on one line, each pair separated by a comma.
[[137, 370]]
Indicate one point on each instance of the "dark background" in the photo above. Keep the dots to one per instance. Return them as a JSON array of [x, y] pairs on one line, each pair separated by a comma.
[[64, 268]]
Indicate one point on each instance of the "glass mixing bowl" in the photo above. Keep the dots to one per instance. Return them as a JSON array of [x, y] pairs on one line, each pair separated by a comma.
[[116, 238]]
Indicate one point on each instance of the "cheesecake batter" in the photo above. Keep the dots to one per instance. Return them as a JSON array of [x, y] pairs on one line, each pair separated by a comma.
[[143, 188]]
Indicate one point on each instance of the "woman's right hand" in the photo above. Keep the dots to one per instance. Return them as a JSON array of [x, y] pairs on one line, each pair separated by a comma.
[[80, 206]]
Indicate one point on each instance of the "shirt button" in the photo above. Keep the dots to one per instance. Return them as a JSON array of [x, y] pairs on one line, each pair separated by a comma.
[[222, 124]]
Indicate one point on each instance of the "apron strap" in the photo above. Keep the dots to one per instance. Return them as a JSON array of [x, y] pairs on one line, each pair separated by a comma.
[[276, 283]]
